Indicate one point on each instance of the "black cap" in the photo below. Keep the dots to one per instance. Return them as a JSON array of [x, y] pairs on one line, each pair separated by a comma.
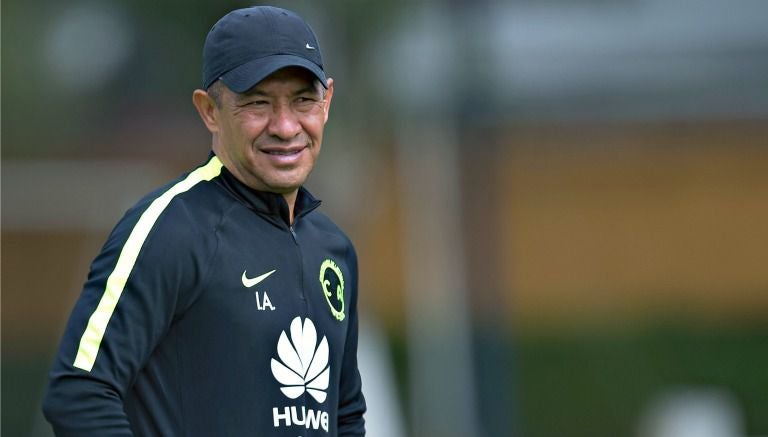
[[247, 45]]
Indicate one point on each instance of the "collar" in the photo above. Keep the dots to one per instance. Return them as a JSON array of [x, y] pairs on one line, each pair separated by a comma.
[[270, 205]]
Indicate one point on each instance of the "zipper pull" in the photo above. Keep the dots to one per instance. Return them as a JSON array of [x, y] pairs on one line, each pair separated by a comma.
[[293, 234]]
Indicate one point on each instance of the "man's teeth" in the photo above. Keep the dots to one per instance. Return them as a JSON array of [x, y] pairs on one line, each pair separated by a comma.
[[281, 152]]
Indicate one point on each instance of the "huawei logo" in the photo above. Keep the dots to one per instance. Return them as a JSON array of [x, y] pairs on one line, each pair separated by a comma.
[[303, 364]]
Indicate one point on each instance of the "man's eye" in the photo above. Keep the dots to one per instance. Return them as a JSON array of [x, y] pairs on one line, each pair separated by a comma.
[[306, 103], [254, 103]]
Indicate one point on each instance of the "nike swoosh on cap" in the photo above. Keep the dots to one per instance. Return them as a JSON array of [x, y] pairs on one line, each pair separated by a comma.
[[250, 282]]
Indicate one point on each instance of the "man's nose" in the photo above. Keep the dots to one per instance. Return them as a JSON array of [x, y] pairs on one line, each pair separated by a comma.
[[284, 123]]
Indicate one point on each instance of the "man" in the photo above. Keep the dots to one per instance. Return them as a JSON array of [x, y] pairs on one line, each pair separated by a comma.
[[224, 303]]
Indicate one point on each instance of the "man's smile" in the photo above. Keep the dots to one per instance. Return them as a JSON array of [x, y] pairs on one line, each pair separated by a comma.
[[284, 156]]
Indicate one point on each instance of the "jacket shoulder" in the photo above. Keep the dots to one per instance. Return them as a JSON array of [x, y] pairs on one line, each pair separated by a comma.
[[171, 212], [322, 223]]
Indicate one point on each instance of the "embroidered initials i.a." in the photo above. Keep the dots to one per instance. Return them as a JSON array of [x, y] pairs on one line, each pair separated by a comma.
[[263, 302]]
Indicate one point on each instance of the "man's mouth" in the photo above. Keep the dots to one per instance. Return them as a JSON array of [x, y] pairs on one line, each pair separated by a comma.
[[283, 152], [284, 156]]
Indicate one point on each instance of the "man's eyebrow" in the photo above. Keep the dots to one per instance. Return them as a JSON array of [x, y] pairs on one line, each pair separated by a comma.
[[251, 93], [255, 92], [312, 89]]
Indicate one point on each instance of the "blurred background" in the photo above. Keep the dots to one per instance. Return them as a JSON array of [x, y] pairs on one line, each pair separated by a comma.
[[559, 206]]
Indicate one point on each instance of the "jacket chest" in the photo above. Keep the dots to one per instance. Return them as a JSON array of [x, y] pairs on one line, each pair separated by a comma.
[[263, 277]]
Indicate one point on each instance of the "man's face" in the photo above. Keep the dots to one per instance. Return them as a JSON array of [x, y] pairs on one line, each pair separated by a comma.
[[270, 136]]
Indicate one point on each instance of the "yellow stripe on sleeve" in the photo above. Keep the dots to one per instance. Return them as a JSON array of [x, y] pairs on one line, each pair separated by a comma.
[[97, 324]]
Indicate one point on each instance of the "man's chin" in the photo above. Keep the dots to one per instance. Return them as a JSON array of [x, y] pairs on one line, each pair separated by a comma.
[[284, 188]]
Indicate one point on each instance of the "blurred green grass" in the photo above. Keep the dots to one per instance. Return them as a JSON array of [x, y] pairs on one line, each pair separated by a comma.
[[24, 377], [598, 383]]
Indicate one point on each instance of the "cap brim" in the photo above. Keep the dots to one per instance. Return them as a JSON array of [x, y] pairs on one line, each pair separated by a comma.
[[244, 77]]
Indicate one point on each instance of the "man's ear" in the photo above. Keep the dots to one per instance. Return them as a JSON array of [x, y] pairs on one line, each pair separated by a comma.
[[207, 109], [327, 99]]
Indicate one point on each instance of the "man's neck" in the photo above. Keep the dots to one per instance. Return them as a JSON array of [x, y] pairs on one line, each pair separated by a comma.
[[290, 199]]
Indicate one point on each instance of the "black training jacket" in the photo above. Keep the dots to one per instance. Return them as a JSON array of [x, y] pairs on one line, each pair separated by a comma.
[[206, 314]]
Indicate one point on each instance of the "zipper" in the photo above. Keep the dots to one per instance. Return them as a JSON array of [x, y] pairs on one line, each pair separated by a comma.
[[303, 294]]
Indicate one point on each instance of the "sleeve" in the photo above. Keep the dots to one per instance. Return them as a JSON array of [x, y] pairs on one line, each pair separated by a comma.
[[351, 400], [137, 285]]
